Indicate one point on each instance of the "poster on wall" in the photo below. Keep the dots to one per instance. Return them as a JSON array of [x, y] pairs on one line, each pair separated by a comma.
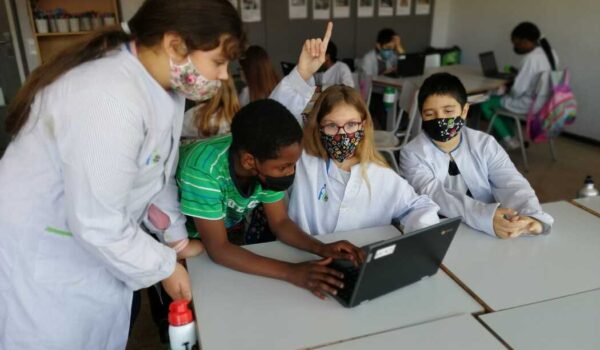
[[251, 11], [234, 3], [403, 8], [366, 8], [423, 7], [298, 9], [386, 8], [321, 9], [341, 8]]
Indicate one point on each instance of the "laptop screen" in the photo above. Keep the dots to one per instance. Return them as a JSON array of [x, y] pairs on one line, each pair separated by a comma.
[[488, 63]]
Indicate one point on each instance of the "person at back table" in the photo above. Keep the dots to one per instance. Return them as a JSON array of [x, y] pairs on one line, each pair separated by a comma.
[[465, 171], [538, 57], [382, 59], [258, 74], [335, 72]]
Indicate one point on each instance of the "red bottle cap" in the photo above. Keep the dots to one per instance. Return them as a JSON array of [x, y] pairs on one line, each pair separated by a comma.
[[179, 313]]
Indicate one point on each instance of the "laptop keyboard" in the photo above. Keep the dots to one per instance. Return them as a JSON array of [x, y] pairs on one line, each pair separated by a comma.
[[351, 273]]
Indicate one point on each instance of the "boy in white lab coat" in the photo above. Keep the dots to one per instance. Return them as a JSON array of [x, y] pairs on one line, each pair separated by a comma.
[[342, 183], [334, 72], [466, 171], [382, 59]]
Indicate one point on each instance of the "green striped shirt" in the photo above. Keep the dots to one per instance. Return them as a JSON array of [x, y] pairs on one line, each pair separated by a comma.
[[206, 188]]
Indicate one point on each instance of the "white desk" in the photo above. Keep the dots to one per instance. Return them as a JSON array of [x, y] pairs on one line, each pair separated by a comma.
[[462, 332], [591, 204], [472, 78], [571, 322], [515, 272], [242, 311]]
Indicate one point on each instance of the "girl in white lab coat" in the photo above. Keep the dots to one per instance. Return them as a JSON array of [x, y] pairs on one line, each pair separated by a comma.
[[95, 135], [538, 57], [342, 183], [465, 171]]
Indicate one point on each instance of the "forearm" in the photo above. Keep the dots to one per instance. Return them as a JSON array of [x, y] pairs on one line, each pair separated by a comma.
[[289, 233], [240, 259]]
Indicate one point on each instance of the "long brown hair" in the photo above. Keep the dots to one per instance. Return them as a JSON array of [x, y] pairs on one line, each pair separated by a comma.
[[224, 105], [334, 96], [260, 75], [203, 25]]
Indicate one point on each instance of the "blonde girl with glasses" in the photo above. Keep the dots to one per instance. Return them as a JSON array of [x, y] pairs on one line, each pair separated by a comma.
[[342, 183]]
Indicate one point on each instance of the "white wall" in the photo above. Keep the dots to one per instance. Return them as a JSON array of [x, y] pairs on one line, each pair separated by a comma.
[[571, 26]]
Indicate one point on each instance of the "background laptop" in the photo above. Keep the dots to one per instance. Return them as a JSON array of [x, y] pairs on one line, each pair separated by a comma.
[[395, 263], [410, 65], [490, 67]]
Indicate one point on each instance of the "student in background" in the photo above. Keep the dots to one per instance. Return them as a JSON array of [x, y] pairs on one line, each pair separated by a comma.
[[538, 57], [342, 182], [465, 171], [335, 72], [93, 143], [258, 74], [383, 58], [213, 116]]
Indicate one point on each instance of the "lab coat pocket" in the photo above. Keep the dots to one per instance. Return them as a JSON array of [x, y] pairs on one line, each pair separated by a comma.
[[60, 259]]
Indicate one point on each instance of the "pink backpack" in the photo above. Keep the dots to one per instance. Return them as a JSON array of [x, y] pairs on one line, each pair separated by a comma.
[[559, 109]]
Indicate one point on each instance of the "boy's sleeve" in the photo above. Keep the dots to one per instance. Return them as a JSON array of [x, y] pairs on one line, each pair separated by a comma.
[[271, 196], [474, 213], [294, 93], [414, 211], [200, 195], [511, 189]]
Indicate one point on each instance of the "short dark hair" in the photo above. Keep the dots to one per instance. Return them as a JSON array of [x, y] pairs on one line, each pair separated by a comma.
[[263, 127], [385, 36], [526, 30], [442, 84], [332, 51]]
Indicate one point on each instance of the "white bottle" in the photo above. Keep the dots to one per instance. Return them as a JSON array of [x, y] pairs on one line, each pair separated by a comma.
[[182, 328], [588, 189]]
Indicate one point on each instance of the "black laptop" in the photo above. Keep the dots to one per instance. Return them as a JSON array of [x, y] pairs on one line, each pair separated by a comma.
[[490, 67], [409, 65], [395, 263]]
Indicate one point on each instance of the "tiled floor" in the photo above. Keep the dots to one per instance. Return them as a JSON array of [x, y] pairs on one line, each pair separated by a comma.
[[551, 180]]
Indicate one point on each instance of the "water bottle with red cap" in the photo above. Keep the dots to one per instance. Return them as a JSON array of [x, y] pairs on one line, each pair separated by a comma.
[[182, 328]]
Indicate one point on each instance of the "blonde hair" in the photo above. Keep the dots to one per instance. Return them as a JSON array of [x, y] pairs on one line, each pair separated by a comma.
[[328, 100], [222, 107]]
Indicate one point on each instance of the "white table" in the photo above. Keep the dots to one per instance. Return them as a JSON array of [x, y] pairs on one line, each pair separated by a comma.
[[571, 322], [592, 204], [515, 272], [462, 332], [242, 311]]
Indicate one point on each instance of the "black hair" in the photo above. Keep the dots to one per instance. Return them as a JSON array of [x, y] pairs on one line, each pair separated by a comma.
[[263, 127], [332, 51], [529, 31], [442, 84], [385, 36]]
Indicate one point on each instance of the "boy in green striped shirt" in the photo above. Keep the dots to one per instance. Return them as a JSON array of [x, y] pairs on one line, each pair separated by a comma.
[[222, 179]]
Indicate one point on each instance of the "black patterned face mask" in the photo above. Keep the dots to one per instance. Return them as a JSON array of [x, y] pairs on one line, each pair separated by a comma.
[[443, 129], [342, 146]]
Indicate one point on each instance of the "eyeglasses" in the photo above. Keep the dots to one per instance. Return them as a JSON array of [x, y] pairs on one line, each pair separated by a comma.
[[333, 129]]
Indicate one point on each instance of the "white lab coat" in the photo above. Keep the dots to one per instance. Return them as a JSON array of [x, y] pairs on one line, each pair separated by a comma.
[[320, 203], [520, 96], [75, 184], [338, 74], [373, 65], [488, 172], [244, 96]]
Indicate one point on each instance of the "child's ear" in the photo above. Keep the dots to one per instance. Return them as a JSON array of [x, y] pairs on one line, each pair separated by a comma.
[[465, 111], [248, 161]]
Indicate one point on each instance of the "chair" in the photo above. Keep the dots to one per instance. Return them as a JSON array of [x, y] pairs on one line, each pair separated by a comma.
[[542, 93], [286, 67], [390, 142]]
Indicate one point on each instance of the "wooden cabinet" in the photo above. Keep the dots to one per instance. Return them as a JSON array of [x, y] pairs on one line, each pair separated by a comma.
[[51, 42]]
